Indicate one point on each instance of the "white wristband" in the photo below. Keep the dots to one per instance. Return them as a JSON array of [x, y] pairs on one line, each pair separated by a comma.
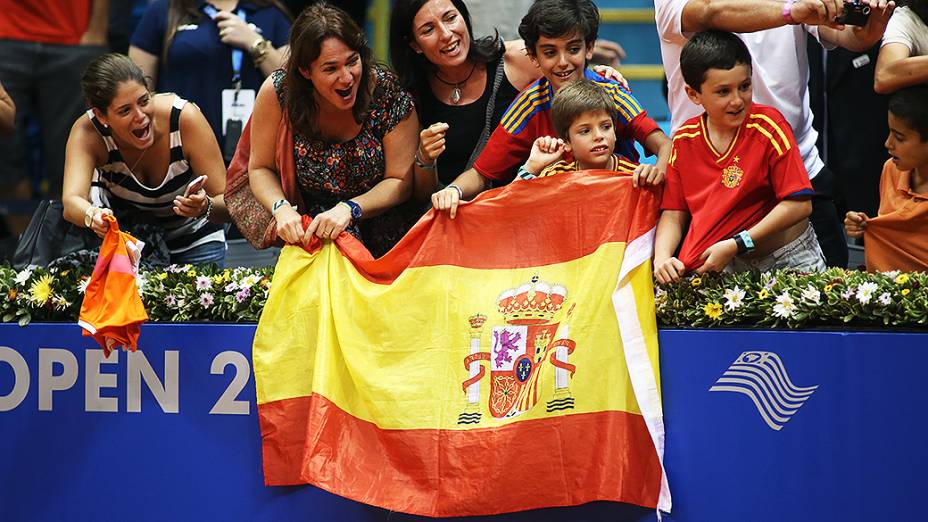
[[457, 188]]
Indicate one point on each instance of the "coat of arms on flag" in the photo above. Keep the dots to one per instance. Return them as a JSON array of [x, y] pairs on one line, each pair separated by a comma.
[[530, 342]]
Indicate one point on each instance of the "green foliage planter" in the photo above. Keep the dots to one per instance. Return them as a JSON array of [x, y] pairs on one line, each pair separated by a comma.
[[786, 299], [781, 299], [173, 294]]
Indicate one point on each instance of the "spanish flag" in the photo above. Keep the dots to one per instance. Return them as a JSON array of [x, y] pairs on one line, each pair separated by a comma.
[[501, 361]]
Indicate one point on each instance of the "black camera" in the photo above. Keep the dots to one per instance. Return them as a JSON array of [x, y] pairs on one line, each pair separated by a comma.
[[855, 13]]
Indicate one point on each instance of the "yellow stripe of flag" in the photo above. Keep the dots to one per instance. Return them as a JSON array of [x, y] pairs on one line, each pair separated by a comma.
[[388, 368]]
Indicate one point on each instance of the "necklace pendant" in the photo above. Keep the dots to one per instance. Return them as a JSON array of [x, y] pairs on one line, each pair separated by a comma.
[[456, 95]]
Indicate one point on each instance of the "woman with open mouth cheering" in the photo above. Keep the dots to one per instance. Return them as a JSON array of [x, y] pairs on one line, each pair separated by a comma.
[[354, 137], [152, 160]]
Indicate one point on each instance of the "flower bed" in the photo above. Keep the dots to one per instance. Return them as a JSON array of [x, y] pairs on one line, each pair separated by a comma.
[[785, 299], [781, 299], [173, 294]]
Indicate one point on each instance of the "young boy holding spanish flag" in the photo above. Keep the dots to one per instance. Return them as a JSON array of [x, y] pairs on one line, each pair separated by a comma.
[[584, 120], [736, 181]]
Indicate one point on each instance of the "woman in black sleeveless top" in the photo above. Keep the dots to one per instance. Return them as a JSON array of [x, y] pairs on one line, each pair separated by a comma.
[[451, 76], [461, 85]]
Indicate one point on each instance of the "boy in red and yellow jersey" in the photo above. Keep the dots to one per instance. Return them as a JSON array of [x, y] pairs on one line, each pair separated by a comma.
[[584, 120], [559, 37], [736, 182]]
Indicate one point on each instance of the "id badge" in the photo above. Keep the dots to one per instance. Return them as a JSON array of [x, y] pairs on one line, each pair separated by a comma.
[[236, 105]]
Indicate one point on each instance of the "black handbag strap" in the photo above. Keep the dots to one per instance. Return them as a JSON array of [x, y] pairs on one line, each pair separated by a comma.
[[491, 108]]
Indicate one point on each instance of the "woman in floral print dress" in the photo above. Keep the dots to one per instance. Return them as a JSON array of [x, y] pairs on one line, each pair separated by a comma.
[[355, 133]]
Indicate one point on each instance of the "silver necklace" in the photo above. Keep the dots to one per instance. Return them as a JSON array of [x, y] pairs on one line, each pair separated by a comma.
[[456, 87]]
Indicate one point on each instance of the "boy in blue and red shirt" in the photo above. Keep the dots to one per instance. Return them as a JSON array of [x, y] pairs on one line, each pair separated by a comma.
[[736, 181], [559, 36]]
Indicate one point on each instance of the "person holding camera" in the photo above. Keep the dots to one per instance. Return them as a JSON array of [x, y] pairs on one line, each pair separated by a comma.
[[903, 59], [775, 33]]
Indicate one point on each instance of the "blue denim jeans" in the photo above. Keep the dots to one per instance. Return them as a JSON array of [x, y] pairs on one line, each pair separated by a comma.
[[212, 252]]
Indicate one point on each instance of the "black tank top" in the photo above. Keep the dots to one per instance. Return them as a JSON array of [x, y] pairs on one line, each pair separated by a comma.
[[465, 122]]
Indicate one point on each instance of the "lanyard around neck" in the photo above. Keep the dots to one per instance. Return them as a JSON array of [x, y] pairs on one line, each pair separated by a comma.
[[237, 53]]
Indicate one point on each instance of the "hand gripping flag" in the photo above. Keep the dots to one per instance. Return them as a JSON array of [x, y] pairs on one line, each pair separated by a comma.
[[501, 361], [112, 311]]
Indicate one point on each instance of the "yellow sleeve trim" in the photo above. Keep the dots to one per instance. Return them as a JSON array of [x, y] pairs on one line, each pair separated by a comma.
[[779, 131], [624, 103], [523, 101], [768, 135]]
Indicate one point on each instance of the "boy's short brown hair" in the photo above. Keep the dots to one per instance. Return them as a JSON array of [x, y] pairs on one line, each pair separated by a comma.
[[576, 98]]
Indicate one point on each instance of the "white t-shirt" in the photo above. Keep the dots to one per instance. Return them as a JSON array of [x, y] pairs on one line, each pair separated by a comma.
[[906, 28], [489, 16], [781, 74]]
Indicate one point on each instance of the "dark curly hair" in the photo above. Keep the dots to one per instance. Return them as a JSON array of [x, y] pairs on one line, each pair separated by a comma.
[[315, 24]]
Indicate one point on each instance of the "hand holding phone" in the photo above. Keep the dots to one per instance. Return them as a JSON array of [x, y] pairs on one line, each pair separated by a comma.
[[194, 186]]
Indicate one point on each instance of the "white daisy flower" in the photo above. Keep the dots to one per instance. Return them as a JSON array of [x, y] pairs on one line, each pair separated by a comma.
[[865, 291], [811, 295], [204, 283], [734, 298], [23, 276], [785, 306]]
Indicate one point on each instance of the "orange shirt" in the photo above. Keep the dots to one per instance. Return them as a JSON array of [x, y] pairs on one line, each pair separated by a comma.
[[112, 311], [897, 239]]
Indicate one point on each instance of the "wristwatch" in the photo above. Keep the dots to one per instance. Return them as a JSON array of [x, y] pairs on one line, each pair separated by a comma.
[[259, 48], [744, 241], [356, 211], [277, 204]]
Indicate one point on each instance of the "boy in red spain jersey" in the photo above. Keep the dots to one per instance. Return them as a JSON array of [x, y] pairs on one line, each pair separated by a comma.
[[559, 37], [736, 182], [584, 119]]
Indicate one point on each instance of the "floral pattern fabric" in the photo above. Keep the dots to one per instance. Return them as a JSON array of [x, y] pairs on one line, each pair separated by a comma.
[[331, 172]]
